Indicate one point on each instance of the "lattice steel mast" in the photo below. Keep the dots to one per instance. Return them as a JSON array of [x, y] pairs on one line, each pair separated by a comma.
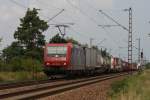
[[130, 38]]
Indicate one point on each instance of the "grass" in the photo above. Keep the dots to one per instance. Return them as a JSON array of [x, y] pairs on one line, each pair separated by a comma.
[[20, 76], [136, 87]]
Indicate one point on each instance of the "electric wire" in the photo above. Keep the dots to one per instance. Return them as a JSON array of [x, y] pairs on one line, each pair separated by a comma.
[[82, 12], [18, 4], [79, 34], [46, 5], [55, 15], [93, 20]]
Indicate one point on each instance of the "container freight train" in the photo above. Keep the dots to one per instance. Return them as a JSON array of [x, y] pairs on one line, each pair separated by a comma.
[[69, 59]]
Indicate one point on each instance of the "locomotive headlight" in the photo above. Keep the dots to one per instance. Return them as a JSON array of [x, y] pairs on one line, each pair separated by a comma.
[[47, 63], [65, 64]]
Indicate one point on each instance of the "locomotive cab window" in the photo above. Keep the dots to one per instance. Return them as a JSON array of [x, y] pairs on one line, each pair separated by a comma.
[[55, 51]]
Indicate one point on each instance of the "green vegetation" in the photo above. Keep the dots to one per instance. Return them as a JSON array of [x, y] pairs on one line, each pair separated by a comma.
[[29, 33], [29, 38], [20, 76], [58, 39], [25, 55], [23, 64], [21, 69], [147, 66], [136, 87]]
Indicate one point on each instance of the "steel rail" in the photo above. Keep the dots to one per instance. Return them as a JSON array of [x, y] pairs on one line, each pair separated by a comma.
[[24, 83], [58, 88]]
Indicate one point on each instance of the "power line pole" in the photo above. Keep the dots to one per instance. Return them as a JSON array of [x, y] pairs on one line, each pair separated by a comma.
[[130, 38]]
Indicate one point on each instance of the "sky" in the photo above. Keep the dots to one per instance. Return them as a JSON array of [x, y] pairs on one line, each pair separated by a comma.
[[86, 17]]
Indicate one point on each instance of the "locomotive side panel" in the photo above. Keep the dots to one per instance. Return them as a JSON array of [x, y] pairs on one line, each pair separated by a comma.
[[77, 59]]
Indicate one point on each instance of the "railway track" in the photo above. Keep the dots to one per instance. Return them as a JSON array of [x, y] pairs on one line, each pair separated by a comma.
[[27, 83], [34, 92]]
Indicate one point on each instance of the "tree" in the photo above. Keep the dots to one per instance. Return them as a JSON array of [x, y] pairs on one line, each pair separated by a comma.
[[105, 53], [57, 39], [71, 40], [29, 38], [14, 50], [29, 33]]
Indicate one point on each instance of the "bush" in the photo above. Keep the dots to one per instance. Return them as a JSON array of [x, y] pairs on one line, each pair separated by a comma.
[[21, 64], [147, 66], [30, 64], [5, 66], [2, 66], [15, 64], [6, 77]]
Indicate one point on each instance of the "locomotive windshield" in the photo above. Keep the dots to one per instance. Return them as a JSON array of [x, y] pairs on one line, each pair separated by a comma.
[[57, 51]]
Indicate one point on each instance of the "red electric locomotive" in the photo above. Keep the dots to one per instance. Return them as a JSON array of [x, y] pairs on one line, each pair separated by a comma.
[[56, 57]]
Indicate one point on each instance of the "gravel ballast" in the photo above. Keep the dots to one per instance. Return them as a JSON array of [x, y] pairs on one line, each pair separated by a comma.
[[97, 91]]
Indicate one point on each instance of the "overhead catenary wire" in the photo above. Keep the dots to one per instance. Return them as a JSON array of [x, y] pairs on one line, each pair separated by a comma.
[[103, 26], [118, 24], [82, 12], [108, 34], [55, 15], [18, 4], [47, 5], [79, 34], [114, 20]]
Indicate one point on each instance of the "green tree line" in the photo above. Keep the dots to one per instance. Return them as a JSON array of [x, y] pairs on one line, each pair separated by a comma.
[[27, 49]]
